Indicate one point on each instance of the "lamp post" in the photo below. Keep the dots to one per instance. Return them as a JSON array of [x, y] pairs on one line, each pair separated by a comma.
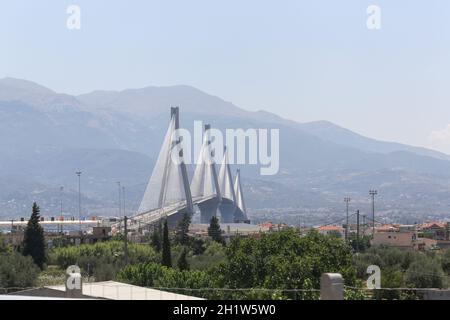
[[78, 173], [347, 200], [120, 196], [61, 189], [373, 193]]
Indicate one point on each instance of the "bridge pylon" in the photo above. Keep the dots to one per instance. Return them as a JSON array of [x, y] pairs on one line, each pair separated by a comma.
[[168, 189], [227, 206], [240, 215], [205, 185]]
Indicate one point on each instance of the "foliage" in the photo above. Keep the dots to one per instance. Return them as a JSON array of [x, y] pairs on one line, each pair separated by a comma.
[[213, 254], [4, 248], [214, 230], [156, 238], [182, 230], [158, 276], [361, 244], [402, 269], [34, 241], [197, 245], [445, 261], [182, 262], [17, 271], [166, 255], [101, 260], [425, 272], [284, 260], [270, 267]]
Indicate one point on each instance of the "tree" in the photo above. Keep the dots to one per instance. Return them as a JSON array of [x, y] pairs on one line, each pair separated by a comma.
[[182, 262], [34, 241], [182, 230], [101, 260], [166, 255], [284, 260], [214, 230], [425, 272], [198, 246], [156, 238], [4, 248], [17, 271]]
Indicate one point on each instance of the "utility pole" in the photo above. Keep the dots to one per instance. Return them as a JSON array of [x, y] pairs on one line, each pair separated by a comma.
[[357, 230], [347, 200], [125, 239], [120, 201], [364, 225], [61, 189], [78, 173], [373, 193]]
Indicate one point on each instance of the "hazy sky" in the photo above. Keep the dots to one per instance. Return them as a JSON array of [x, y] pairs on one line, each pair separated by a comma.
[[304, 60]]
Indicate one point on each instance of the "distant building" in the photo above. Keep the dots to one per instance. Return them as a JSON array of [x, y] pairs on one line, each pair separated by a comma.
[[403, 240], [434, 230], [331, 231], [387, 228]]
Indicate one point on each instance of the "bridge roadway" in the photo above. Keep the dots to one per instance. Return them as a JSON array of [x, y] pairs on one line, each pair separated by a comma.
[[148, 218]]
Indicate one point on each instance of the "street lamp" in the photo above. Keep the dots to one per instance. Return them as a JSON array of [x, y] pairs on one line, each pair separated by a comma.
[[373, 193], [61, 189], [78, 173], [120, 202], [347, 200]]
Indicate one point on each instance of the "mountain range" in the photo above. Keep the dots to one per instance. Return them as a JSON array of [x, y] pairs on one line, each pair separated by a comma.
[[115, 136]]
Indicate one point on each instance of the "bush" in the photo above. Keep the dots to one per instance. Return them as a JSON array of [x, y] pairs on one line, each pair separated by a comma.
[[284, 260], [17, 271], [425, 272], [270, 267], [213, 254], [101, 260], [158, 276]]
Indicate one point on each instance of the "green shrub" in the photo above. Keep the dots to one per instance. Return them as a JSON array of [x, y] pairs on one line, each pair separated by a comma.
[[103, 259], [17, 271]]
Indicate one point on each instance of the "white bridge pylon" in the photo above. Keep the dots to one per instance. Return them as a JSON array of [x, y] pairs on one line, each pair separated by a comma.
[[169, 194], [205, 184], [228, 204], [241, 210]]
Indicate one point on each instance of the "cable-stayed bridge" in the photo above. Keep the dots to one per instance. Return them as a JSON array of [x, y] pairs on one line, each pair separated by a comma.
[[169, 194]]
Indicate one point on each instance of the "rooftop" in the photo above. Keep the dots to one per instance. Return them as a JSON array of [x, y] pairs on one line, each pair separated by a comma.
[[122, 291]]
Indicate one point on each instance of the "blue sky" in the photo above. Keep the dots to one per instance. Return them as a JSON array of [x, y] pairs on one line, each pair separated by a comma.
[[304, 60]]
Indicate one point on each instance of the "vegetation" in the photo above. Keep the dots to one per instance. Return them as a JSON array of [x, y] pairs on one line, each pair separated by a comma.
[[182, 230], [212, 255], [404, 269], [182, 263], [156, 239], [281, 262], [34, 241], [361, 244], [166, 255], [103, 259], [3, 247], [278, 265], [214, 230], [17, 271]]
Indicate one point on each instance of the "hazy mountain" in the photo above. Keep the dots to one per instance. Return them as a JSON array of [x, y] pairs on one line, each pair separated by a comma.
[[115, 136], [330, 132], [36, 95]]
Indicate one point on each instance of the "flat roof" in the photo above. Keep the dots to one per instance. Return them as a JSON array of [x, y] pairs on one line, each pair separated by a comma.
[[122, 291]]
